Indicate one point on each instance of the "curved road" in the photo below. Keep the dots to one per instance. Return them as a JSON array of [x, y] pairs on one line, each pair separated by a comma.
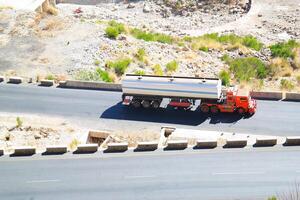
[[103, 110], [210, 175]]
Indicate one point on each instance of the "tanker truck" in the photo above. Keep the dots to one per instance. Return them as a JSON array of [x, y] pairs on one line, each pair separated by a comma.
[[149, 91]]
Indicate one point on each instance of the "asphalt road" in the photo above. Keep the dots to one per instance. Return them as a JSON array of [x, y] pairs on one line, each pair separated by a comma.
[[102, 109], [204, 174]]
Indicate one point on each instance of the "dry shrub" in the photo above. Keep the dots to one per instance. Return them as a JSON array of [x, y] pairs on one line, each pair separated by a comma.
[[238, 46], [280, 67], [209, 43], [53, 24], [51, 10], [297, 58]]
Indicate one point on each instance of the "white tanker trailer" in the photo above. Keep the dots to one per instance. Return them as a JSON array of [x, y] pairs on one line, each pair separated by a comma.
[[149, 91]]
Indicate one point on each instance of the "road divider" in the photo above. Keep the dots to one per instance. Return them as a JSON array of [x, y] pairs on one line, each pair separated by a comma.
[[265, 142], [86, 148], [91, 85], [235, 143], [55, 150], [267, 95], [292, 96], [1, 152], [146, 146], [24, 151], [116, 147], [292, 141], [176, 145], [15, 80], [2, 79], [206, 144], [47, 83]]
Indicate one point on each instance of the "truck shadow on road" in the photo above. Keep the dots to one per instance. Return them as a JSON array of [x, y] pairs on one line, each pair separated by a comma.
[[168, 115]]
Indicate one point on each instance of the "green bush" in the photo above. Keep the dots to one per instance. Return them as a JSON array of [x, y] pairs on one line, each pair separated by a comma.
[[97, 62], [298, 79], [50, 77], [226, 58], [112, 32], [286, 84], [284, 49], [225, 77], [104, 75], [140, 72], [252, 42], [205, 49], [151, 37], [120, 65], [19, 122], [246, 68], [172, 66], [119, 26], [272, 198], [141, 54], [157, 70]]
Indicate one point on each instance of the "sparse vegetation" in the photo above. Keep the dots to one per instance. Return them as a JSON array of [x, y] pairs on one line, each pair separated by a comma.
[[172, 66], [280, 67], [225, 77], [73, 145], [246, 68], [205, 49], [112, 32], [19, 122], [284, 49], [272, 198], [50, 77], [157, 70], [298, 79], [119, 66], [286, 84], [97, 75], [51, 10], [97, 62], [151, 37], [140, 55], [140, 72]]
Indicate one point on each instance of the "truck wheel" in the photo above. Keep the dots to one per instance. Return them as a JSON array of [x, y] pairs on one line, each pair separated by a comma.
[[204, 108], [136, 103], [214, 109], [241, 111], [155, 104], [146, 104]]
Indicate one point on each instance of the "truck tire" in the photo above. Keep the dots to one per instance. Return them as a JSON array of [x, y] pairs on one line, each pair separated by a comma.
[[204, 108], [214, 110], [155, 104], [241, 111], [146, 103], [136, 103]]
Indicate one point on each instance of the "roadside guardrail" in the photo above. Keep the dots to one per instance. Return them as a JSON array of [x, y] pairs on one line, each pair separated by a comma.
[[2, 79], [1, 152], [86, 148], [15, 80], [91, 85], [265, 142], [292, 141], [235, 143], [176, 145], [146, 146], [24, 151], [116, 147], [206, 144], [55, 150]]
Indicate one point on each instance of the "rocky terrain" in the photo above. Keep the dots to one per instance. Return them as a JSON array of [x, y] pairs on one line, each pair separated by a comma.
[[64, 45]]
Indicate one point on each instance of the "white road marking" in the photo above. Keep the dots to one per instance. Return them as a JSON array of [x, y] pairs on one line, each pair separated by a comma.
[[236, 173], [135, 177], [43, 181]]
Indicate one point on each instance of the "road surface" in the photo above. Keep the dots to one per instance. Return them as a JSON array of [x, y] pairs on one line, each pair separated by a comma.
[[204, 174], [103, 110]]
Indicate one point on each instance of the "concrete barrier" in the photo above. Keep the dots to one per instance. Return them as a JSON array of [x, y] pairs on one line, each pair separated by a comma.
[[55, 150], [2, 79], [97, 137], [86, 148], [15, 80], [168, 130], [116, 147], [291, 96], [24, 151], [47, 83], [267, 95], [206, 144], [1, 152], [235, 143], [177, 145], [91, 85], [146, 146], [265, 142], [292, 141]]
